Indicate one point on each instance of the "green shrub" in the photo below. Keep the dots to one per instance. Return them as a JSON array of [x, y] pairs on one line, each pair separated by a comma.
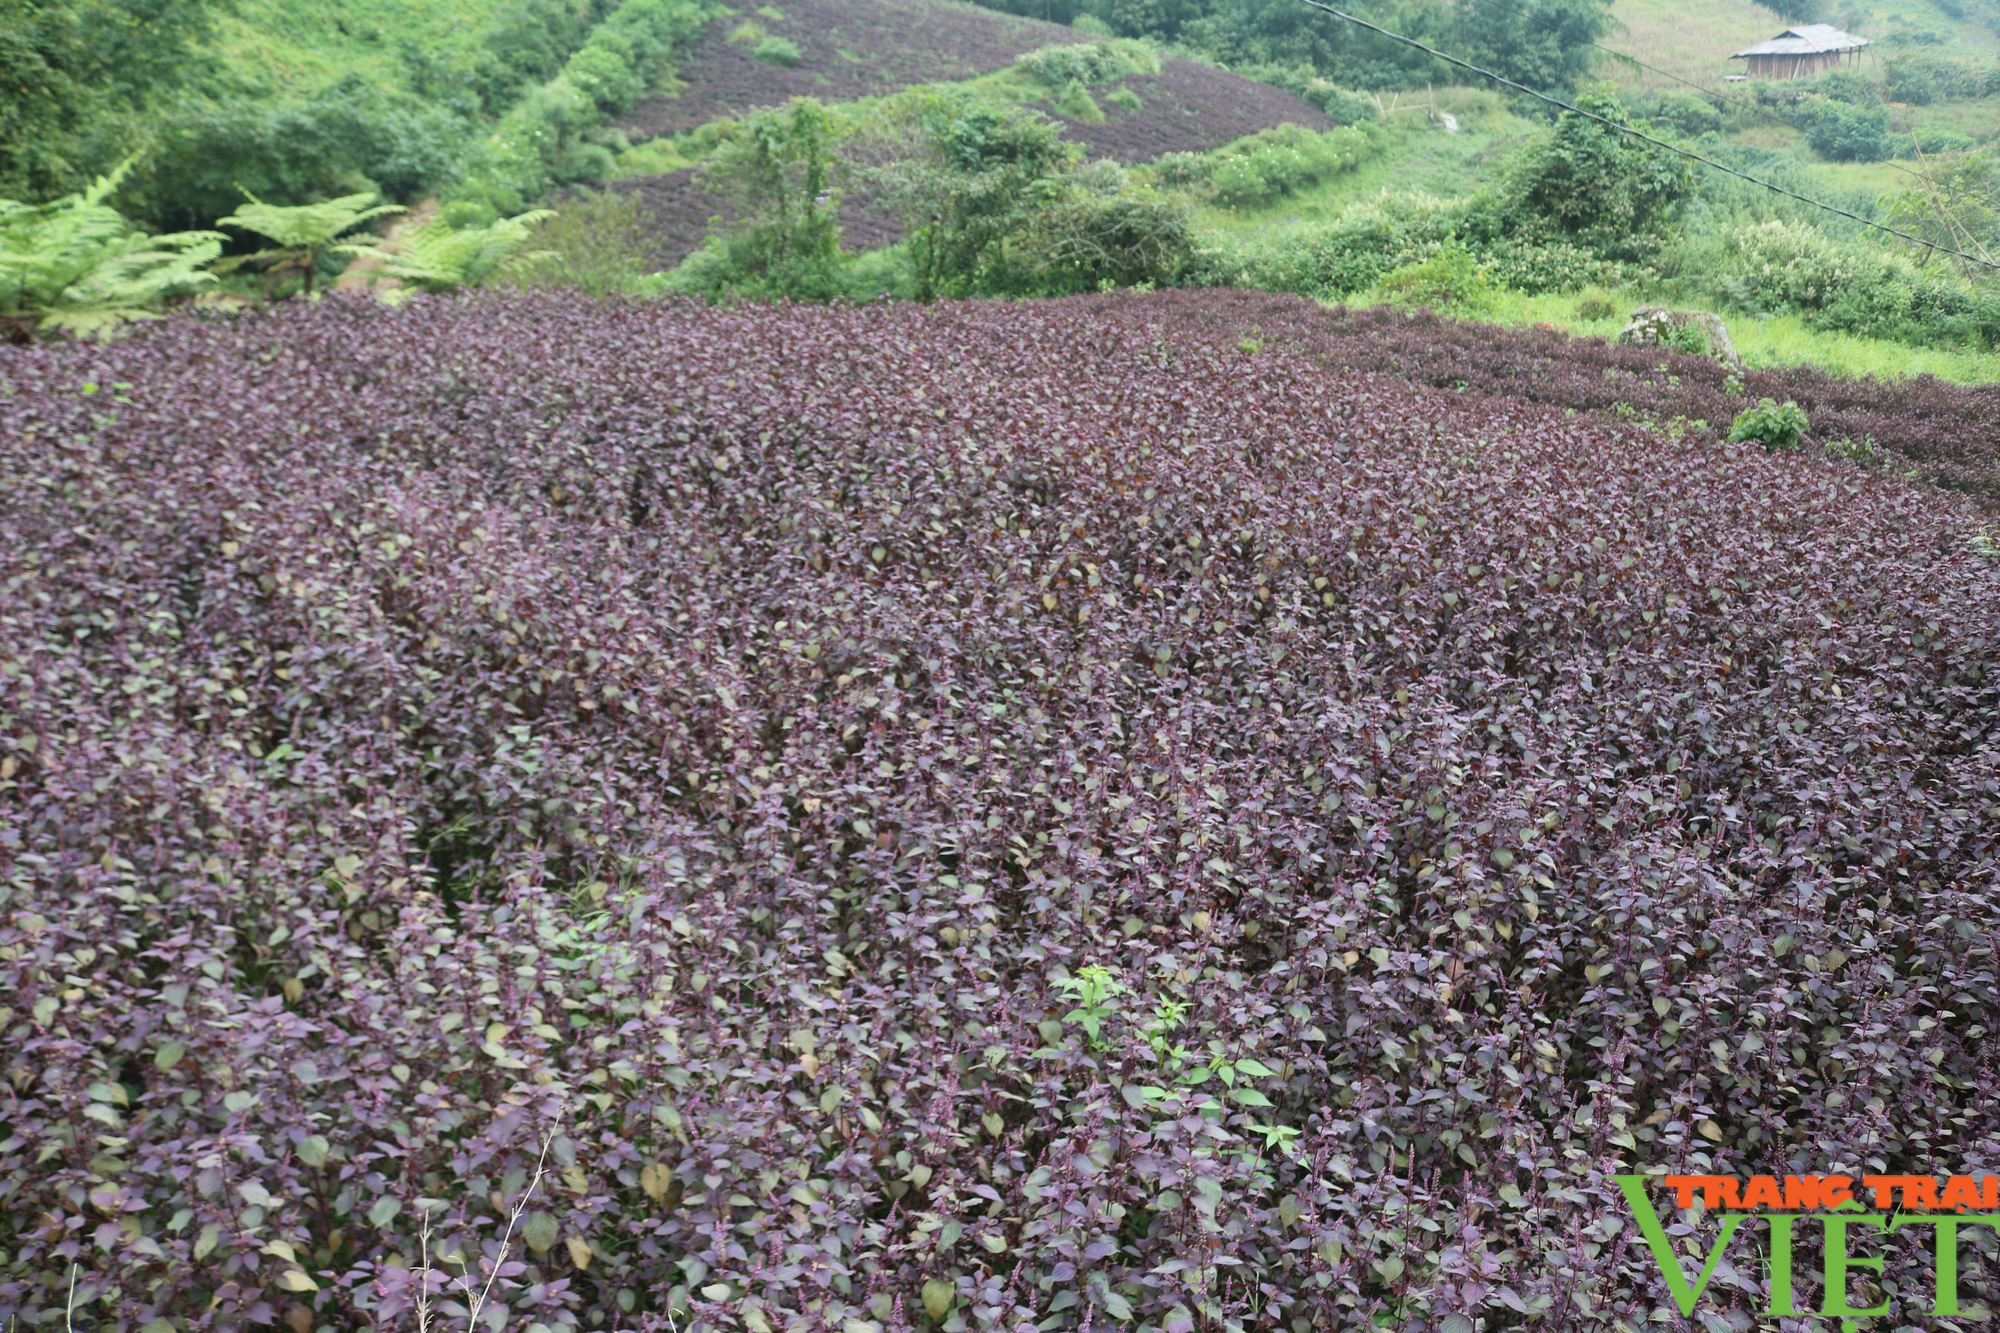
[[1103, 231], [777, 51], [1341, 105], [779, 166], [1687, 114], [544, 140], [654, 29], [600, 243], [1092, 26], [971, 181], [465, 213], [1784, 265], [1863, 451], [1451, 279], [1690, 338], [996, 204], [1843, 132], [1923, 77], [1595, 308], [1790, 266], [604, 76], [1957, 197], [1076, 102], [526, 45], [85, 80], [1327, 261], [1847, 85], [1931, 140], [1777, 426], [1088, 62], [1124, 97], [1614, 195], [1530, 264], [1271, 164]]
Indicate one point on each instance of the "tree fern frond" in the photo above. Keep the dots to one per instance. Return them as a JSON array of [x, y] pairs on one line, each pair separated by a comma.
[[77, 263], [436, 258]]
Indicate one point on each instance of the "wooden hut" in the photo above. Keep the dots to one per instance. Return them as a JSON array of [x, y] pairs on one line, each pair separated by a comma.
[[1803, 52]]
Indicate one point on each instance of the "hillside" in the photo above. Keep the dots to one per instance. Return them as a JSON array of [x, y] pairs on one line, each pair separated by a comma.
[[849, 50], [845, 50], [295, 49]]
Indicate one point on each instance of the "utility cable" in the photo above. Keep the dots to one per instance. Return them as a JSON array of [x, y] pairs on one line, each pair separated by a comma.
[[1641, 134], [1754, 107]]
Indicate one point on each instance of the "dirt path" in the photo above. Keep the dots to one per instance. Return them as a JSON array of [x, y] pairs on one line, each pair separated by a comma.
[[362, 274]]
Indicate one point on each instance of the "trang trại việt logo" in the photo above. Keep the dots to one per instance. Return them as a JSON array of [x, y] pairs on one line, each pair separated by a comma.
[[1829, 1201]]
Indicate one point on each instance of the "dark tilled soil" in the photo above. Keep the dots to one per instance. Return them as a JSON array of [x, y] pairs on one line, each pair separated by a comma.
[[849, 49], [1187, 108], [681, 207]]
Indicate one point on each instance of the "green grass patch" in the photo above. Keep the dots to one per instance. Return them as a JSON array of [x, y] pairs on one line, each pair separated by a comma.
[[283, 48], [1778, 340], [655, 157], [1415, 156]]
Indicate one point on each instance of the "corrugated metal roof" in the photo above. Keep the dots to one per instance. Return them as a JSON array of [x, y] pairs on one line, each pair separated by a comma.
[[1805, 40]]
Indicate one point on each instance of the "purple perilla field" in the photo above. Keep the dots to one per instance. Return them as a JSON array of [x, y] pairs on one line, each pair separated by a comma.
[[979, 815]]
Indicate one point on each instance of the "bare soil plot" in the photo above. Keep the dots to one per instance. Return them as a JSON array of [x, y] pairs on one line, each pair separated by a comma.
[[848, 49], [682, 206], [1187, 107]]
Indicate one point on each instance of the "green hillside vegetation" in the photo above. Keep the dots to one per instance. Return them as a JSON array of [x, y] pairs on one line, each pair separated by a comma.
[[494, 101], [273, 46], [1431, 202], [1427, 192]]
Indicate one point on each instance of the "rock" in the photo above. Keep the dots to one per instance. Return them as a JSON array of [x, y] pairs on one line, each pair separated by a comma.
[[1656, 326]]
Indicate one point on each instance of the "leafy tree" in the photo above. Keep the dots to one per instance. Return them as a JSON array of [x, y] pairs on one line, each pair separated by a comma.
[[1104, 232], [77, 264], [969, 178], [1845, 132], [1586, 181], [1957, 203], [780, 167], [80, 76], [1548, 47], [306, 233]]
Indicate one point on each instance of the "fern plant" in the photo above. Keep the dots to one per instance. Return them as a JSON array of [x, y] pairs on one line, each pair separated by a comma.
[[77, 264], [305, 232], [436, 258]]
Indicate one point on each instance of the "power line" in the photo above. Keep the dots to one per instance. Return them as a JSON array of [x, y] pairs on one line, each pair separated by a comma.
[[1754, 107], [1641, 134]]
